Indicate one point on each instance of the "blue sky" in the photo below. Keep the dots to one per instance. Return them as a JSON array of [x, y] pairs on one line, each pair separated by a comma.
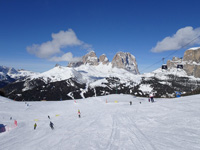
[[32, 31]]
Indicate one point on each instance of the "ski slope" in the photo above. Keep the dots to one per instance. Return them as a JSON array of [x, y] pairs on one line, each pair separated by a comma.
[[167, 124]]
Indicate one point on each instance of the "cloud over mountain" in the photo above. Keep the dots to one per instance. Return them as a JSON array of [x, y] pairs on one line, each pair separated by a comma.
[[60, 40], [184, 36]]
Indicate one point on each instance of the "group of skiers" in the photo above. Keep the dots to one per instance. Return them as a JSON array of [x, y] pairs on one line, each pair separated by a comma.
[[151, 99], [52, 125]]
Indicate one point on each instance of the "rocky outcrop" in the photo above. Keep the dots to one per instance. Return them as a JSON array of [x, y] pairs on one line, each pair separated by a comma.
[[75, 64], [90, 58], [174, 62], [121, 60], [103, 59], [192, 55], [191, 62], [125, 61]]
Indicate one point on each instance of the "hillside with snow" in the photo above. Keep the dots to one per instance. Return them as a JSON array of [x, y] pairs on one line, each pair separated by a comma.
[[93, 76], [98, 80], [106, 123]]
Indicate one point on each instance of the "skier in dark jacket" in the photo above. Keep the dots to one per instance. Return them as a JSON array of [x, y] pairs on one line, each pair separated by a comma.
[[49, 117], [130, 102], [151, 97], [51, 125]]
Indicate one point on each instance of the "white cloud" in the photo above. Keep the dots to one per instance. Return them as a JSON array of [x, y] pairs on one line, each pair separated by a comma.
[[59, 40], [182, 37], [66, 57]]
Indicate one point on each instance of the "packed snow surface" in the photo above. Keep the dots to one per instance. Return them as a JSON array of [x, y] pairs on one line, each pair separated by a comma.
[[106, 123]]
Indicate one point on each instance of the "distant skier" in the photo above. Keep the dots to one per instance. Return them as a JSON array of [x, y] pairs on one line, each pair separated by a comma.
[[49, 117], [79, 113], [151, 97], [130, 102], [51, 125], [35, 125], [10, 118]]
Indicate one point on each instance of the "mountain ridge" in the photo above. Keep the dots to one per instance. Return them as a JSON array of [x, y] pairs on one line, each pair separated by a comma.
[[92, 77]]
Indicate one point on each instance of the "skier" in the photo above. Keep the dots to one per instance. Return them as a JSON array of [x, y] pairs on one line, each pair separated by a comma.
[[35, 125], [151, 97], [49, 117], [51, 125], [130, 102], [10, 118], [79, 113]]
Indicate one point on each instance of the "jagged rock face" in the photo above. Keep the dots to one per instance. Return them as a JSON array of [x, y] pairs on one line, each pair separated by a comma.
[[191, 62], [90, 58], [125, 61], [75, 64], [103, 59], [174, 62], [192, 56]]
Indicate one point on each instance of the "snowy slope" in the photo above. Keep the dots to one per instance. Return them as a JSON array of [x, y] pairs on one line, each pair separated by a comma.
[[58, 73], [23, 74], [86, 73], [167, 124], [93, 73]]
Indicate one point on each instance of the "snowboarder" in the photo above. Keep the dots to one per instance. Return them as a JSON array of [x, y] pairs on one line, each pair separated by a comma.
[[79, 113], [130, 102], [49, 117], [51, 125], [35, 125]]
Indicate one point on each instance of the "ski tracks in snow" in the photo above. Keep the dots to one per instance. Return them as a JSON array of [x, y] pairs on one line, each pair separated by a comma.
[[126, 135], [115, 133]]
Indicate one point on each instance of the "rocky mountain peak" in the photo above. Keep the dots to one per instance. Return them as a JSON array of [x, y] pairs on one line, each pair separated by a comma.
[[192, 55], [90, 58], [8, 70], [190, 62], [103, 59], [125, 61]]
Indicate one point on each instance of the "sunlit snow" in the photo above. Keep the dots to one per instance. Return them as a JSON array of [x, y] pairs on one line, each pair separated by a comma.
[[106, 123]]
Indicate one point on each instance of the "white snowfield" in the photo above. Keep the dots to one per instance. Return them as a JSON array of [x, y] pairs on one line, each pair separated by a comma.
[[166, 124]]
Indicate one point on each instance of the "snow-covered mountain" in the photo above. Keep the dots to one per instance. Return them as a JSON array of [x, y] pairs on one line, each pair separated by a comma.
[[97, 77], [96, 80], [15, 74], [9, 75], [121, 60]]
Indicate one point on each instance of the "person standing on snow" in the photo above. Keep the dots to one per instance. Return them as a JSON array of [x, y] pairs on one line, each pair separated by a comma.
[[49, 117], [51, 125], [130, 102], [79, 113], [151, 97], [35, 125]]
